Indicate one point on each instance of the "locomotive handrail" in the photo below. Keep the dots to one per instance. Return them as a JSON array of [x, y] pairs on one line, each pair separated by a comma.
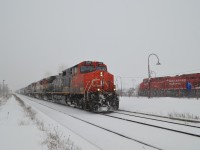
[[86, 88], [91, 85]]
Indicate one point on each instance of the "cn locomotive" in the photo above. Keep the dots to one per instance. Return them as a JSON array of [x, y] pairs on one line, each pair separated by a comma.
[[186, 85], [87, 85]]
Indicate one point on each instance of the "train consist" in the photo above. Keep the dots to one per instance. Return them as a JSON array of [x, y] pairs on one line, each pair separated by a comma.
[[87, 85], [186, 85]]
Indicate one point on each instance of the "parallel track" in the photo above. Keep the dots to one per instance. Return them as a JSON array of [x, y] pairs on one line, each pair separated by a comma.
[[173, 130], [158, 120], [146, 114]]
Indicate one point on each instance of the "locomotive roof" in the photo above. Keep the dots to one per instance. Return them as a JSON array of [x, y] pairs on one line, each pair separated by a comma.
[[85, 62], [99, 62], [51, 78], [177, 76]]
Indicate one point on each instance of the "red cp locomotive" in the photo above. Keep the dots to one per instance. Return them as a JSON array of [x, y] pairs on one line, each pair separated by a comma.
[[87, 85], [186, 85]]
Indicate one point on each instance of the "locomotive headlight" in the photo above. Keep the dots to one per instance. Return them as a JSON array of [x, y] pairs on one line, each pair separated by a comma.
[[98, 90], [114, 89], [101, 74]]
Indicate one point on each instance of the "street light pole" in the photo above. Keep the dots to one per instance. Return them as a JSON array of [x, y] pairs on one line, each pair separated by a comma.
[[149, 74], [3, 88]]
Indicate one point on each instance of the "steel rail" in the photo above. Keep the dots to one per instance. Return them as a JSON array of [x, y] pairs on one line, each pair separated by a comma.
[[158, 120], [179, 119], [146, 124]]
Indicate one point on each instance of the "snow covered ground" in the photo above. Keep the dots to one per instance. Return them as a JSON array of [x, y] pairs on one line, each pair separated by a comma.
[[17, 132], [23, 133], [162, 106]]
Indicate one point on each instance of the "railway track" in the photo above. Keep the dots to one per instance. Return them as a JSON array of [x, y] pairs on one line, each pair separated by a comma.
[[147, 117], [138, 122], [158, 116], [108, 130], [159, 120], [151, 125]]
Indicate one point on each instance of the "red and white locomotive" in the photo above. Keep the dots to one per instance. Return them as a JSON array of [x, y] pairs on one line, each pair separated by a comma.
[[186, 85], [87, 85]]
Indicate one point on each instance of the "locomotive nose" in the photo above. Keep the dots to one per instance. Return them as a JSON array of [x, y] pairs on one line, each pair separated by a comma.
[[104, 81], [98, 80]]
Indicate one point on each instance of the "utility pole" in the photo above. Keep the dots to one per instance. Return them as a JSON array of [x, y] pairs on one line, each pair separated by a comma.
[[6, 90], [120, 83]]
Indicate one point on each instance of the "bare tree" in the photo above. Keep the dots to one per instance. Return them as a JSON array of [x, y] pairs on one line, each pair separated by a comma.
[[61, 67], [130, 92], [47, 74]]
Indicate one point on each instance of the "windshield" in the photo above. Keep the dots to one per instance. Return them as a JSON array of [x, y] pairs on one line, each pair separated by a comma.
[[87, 69], [101, 68]]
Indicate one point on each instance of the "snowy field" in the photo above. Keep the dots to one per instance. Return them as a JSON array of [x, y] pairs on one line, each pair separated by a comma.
[[19, 132]]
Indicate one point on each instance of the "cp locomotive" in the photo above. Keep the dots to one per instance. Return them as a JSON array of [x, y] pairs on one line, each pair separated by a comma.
[[186, 85], [87, 85]]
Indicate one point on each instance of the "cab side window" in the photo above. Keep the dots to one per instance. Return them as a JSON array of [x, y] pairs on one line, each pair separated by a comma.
[[74, 70]]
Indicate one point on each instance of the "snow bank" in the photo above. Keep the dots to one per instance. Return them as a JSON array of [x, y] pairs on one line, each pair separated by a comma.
[[16, 131]]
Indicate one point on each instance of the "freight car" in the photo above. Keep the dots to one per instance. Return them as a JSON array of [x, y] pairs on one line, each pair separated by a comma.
[[186, 85], [87, 85]]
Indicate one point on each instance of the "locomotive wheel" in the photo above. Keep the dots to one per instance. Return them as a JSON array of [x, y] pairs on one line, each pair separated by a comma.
[[84, 105], [81, 103], [96, 108], [77, 105], [67, 100]]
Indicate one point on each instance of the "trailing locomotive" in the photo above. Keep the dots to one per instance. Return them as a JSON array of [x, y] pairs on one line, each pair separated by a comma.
[[87, 85], [186, 85]]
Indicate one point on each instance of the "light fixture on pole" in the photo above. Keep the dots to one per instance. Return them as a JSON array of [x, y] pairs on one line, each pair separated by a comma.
[[149, 73]]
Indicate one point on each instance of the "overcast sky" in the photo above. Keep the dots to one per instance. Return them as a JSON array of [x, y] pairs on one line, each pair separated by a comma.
[[37, 36]]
